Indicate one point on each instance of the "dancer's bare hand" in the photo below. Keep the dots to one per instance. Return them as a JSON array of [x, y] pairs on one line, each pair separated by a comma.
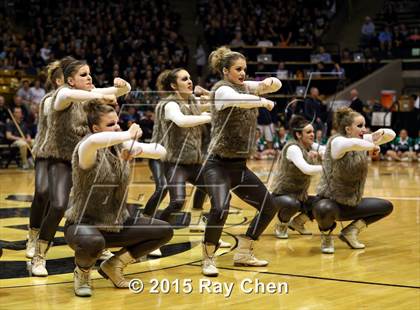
[[119, 82], [200, 91], [108, 99], [126, 155], [377, 135], [135, 131], [268, 104]]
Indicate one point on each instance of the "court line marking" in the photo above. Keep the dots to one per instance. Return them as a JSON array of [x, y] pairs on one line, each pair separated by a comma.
[[399, 198], [316, 277]]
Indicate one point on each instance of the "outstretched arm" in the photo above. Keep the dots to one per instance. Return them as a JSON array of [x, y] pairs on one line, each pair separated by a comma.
[[268, 85], [294, 154], [227, 97], [341, 145], [173, 113], [88, 148], [120, 88]]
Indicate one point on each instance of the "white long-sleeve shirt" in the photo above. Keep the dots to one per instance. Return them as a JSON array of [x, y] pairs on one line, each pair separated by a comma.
[[66, 96], [174, 114], [341, 145], [295, 155], [88, 148], [226, 97]]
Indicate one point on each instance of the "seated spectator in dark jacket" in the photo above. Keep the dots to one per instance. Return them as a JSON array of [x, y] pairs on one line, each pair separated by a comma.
[[313, 109], [4, 115], [356, 104]]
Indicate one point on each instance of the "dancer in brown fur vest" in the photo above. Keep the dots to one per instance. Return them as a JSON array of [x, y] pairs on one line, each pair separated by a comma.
[[98, 216], [291, 182], [234, 122], [67, 125], [343, 180]]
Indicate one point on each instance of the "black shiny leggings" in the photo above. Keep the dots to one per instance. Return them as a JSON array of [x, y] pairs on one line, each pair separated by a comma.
[[39, 207], [60, 183], [221, 176], [139, 236], [177, 177], [156, 166], [370, 210], [289, 206]]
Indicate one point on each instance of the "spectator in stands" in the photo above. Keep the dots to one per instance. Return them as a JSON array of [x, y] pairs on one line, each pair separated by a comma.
[[402, 148], [398, 37], [18, 103], [110, 41], [385, 39], [320, 138], [24, 93], [146, 124], [368, 31], [346, 56], [200, 58], [414, 36], [341, 73], [15, 138], [282, 73], [45, 52], [356, 104], [266, 127], [36, 93], [265, 41], [404, 31], [323, 56], [263, 152], [4, 115], [280, 139], [237, 40], [314, 109], [129, 116]]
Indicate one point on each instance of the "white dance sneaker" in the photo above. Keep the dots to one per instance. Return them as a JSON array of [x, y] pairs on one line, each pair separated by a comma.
[[350, 233], [244, 255]]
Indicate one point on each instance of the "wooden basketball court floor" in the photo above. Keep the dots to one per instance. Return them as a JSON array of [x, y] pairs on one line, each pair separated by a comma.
[[385, 275]]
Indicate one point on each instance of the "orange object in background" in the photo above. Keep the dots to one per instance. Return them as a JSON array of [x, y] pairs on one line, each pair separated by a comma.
[[388, 97]]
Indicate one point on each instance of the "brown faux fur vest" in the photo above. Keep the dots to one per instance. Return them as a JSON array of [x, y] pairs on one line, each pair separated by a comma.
[[157, 135], [99, 193], [65, 129], [290, 180], [343, 180], [233, 129], [41, 134], [183, 145]]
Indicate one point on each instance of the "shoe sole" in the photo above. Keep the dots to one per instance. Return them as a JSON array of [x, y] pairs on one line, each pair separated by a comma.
[[342, 238], [39, 275], [283, 238], [247, 265], [210, 274], [327, 252], [83, 295], [303, 234]]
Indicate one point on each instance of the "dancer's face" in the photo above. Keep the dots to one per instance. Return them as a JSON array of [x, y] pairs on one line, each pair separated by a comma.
[[108, 122], [184, 85], [357, 128], [81, 79], [237, 72], [306, 137]]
